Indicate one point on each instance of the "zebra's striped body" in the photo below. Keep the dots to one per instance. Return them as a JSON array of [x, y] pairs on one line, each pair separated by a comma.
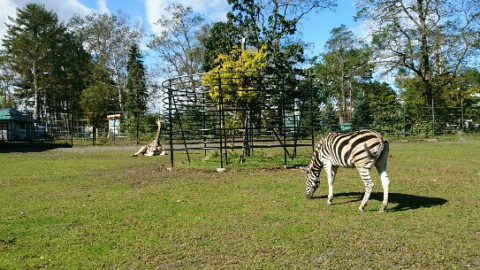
[[361, 149]]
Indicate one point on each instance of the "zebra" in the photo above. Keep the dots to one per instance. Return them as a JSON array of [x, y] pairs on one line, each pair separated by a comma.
[[361, 149]]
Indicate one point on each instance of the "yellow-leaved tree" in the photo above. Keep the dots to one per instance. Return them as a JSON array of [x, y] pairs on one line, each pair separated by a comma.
[[233, 82], [235, 75]]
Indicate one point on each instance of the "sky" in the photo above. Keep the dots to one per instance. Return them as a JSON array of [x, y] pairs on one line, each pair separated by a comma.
[[314, 29]]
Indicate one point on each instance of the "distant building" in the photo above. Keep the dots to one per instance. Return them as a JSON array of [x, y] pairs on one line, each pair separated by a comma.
[[15, 126], [114, 125]]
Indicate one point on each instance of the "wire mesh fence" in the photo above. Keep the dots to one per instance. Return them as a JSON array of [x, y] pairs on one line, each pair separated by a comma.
[[266, 112], [283, 112], [403, 122], [249, 111], [395, 122]]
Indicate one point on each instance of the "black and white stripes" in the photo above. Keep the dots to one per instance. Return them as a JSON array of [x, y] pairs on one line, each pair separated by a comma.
[[361, 149]]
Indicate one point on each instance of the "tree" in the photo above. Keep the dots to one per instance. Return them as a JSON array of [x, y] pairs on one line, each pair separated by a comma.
[[232, 81], [137, 94], [385, 108], [454, 102], [416, 112], [99, 98], [343, 68], [69, 72], [459, 101], [431, 40], [177, 45], [219, 38], [329, 118], [274, 23], [7, 79], [362, 115], [28, 37], [109, 37], [237, 72], [48, 60]]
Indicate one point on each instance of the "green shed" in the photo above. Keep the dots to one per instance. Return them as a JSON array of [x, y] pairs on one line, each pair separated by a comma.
[[15, 126]]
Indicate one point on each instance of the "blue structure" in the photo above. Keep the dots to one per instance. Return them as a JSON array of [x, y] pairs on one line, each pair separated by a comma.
[[15, 126]]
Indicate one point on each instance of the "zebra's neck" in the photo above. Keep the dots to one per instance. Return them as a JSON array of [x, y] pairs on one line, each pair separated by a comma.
[[315, 165]]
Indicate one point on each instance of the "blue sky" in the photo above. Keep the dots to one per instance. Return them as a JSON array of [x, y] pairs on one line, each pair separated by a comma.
[[315, 28]]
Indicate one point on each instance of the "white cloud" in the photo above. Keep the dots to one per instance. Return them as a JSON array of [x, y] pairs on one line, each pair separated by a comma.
[[213, 10], [65, 9], [154, 10], [216, 10], [8, 9], [102, 6]]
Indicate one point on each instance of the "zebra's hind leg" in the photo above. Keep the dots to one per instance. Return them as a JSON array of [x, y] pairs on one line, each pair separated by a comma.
[[330, 171], [365, 174], [385, 185], [381, 168]]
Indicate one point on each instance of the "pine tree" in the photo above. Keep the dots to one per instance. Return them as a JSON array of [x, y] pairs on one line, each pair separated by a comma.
[[48, 60], [330, 120], [362, 114], [137, 95]]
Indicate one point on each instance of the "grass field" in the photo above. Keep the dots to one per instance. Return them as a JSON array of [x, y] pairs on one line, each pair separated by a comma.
[[104, 210]]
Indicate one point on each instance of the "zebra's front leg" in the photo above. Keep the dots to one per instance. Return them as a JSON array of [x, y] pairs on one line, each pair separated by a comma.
[[365, 174], [330, 171]]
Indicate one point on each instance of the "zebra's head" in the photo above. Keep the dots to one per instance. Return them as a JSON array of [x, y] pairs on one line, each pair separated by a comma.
[[312, 181]]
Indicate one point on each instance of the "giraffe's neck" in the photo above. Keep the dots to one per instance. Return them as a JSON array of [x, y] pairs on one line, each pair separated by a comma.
[[157, 136]]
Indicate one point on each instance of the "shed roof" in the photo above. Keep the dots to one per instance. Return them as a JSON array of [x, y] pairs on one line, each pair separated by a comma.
[[7, 114]]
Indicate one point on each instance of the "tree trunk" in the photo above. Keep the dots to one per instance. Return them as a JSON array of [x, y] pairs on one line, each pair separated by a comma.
[[35, 89], [119, 85], [94, 136]]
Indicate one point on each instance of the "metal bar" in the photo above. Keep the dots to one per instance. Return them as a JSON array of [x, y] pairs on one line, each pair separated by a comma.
[[222, 127], [182, 131], [312, 116], [170, 119], [283, 122]]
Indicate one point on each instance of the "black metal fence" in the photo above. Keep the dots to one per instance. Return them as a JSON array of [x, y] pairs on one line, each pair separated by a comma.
[[281, 112], [278, 112], [404, 122]]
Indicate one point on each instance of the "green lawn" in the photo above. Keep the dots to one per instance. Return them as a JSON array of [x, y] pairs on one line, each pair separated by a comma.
[[106, 210]]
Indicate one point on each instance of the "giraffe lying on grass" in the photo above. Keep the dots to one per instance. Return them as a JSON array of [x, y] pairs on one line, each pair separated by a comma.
[[154, 148]]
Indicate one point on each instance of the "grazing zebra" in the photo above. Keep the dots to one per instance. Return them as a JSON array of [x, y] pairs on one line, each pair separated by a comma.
[[361, 149]]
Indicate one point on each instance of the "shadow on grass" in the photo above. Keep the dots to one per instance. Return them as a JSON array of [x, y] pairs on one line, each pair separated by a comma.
[[29, 147], [403, 201]]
